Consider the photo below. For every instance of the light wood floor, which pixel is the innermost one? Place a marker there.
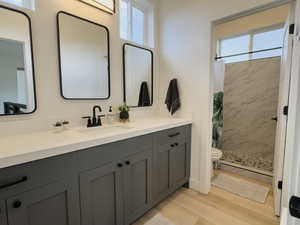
(187, 207)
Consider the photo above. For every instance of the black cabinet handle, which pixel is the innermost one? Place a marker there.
(22, 180)
(17, 204)
(175, 144)
(120, 165)
(174, 135)
(127, 162)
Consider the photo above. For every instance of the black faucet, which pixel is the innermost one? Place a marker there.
(95, 121)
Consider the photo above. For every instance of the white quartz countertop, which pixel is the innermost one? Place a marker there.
(20, 149)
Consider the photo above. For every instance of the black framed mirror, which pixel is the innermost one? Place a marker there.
(17, 79)
(137, 76)
(84, 58)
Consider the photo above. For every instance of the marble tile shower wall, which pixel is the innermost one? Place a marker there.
(250, 101)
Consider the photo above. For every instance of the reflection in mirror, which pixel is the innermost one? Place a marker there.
(138, 76)
(17, 88)
(84, 58)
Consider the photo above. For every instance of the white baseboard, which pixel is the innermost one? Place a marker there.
(198, 186)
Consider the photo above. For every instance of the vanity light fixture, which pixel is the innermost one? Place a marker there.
(104, 5)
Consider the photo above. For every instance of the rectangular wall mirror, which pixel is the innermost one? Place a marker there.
(138, 76)
(84, 58)
(17, 85)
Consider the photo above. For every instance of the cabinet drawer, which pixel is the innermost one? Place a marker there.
(96, 156)
(169, 137)
(27, 176)
(16, 179)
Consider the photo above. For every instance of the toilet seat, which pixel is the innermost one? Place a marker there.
(216, 154)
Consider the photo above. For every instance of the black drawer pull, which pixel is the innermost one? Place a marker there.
(176, 144)
(174, 135)
(172, 146)
(17, 204)
(120, 165)
(22, 180)
(127, 162)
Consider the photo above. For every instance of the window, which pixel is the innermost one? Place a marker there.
(124, 18)
(105, 5)
(234, 46)
(29, 4)
(136, 22)
(266, 38)
(138, 26)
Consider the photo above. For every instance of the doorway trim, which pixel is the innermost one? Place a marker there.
(214, 48)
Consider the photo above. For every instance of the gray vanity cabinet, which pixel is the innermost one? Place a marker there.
(49, 194)
(171, 161)
(111, 184)
(137, 185)
(115, 181)
(52, 204)
(101, 195)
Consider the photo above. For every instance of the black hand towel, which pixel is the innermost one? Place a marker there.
(173, 99)
(144, 99)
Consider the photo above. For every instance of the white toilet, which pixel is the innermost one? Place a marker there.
(216, 157)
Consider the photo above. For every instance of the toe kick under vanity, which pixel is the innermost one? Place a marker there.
(110, 178)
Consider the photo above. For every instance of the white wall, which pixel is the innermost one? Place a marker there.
(185, 49)
(51, 106)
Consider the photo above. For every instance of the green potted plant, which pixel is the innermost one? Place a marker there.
(218, 120)
(124, 112)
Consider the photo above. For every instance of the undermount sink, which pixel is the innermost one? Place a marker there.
(106, 129)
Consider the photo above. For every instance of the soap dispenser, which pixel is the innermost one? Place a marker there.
(110, 115)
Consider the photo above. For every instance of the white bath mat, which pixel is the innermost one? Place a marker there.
(159, 220)
(241, 187)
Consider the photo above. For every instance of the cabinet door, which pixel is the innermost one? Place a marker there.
(137, 185)
(3, 218)
(179, 160)
(101, 196)
(55, 203)
(161, 164)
